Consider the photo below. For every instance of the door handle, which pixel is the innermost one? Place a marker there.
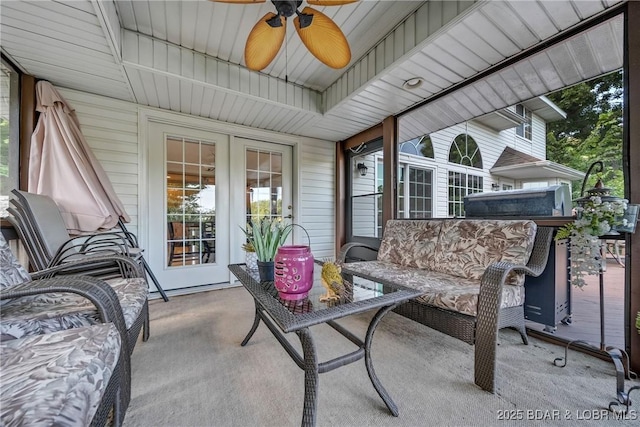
(290, 216)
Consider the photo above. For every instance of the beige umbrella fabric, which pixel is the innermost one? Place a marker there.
(63, 167)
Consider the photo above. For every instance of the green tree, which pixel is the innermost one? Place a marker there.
(592, 130)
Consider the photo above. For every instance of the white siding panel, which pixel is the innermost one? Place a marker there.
(317, 196)
(110, 128)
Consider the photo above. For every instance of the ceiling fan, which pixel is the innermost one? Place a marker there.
(318, 32)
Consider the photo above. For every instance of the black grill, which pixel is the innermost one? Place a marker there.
(547, 297)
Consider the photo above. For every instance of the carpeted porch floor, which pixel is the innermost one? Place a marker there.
(193, 372)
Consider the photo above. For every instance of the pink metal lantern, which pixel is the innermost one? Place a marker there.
(293, 275)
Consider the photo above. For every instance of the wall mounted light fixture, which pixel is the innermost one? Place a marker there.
(362, 169)
(495, 187)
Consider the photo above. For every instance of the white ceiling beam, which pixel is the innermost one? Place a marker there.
(145, 53)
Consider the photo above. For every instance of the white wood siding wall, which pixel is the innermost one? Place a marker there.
(110, 127)
(317, 197)
(491, 144)
(537, 147)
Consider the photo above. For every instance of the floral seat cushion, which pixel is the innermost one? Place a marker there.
(466, 248)
(45, 313)
(11, 271)
(410, 242)
(440, 289)
(58, 378)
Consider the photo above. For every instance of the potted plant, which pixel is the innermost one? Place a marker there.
(595, 217)
(266, 236)
(251, 259)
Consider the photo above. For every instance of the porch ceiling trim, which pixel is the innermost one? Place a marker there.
(158, 57)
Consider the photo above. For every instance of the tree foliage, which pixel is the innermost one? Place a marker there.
(592, 130)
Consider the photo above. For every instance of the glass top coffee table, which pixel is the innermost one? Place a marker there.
(284, 316)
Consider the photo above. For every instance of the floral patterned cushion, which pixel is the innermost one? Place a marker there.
(11, 272)
(467, 247)
(410, 242)
(57, 379)
(440, 289)
(45, 313)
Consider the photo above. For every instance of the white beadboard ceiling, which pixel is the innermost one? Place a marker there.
(187, 56)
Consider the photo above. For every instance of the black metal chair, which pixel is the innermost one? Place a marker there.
(42, 229)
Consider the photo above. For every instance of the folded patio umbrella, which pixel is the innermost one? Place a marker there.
(63, 167)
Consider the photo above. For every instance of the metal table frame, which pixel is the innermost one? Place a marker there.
(280, 321)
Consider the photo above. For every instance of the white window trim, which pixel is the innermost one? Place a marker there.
(434, 184)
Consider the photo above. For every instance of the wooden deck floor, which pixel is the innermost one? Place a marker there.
(585, 308)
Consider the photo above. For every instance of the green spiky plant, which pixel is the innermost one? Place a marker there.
(638, 322)
(266, 237)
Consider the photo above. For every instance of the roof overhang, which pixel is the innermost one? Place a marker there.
(543, 169)
(543, 107)
(500, 120)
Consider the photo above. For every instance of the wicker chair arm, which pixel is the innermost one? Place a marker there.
(107, 304)
(490, 301)
(342, 255)
(540, 252)
(127, 266)
(496, 274)
(97, 291)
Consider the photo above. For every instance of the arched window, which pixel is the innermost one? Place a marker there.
(464, 151)
(421, 146)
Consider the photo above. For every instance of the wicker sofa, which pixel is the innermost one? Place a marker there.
(472, 274)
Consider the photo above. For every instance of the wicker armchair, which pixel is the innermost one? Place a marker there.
(87, 370)
(37, 313)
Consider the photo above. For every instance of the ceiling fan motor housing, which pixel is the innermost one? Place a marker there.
(286, 8)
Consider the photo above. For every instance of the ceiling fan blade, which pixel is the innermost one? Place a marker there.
(264, 42)
(324, 39)
(239, 1)
(330, 2)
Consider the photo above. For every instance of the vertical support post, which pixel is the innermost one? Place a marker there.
(631, 168)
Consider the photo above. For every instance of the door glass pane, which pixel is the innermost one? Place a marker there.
(264, 185)
(191, 195)
(367, 180)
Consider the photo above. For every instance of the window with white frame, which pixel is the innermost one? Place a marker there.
(460, 185)
(421, 146)
(9, 132)
(415, 191)
(465, 152)
(524, 129)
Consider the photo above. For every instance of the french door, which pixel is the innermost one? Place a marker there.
(261, 187)
(203, 187)
(188, 206)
